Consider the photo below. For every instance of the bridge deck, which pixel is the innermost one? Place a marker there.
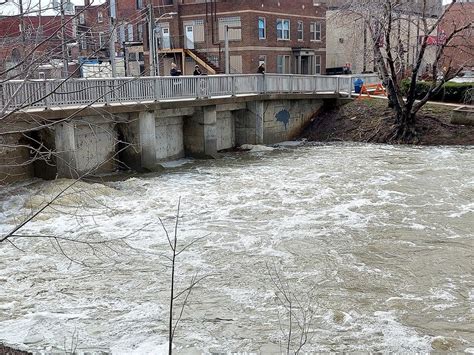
(37, 95)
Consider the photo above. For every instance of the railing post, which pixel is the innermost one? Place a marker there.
(232, 81)
(46, 93)
(338, 85)
(157, 87)
(349, 91)
(205, 80)
(107, 92)
(2, 99)
(197, 87)
(291, 84)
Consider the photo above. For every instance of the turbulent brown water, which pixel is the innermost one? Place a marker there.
(373, 243)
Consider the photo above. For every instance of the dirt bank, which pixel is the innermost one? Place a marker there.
(5, 350)
(372, 121)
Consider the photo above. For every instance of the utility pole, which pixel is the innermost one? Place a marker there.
(22, 23)
(64, 45)
(113, 16)
(226, 44)
(151, 39)
(157, 47)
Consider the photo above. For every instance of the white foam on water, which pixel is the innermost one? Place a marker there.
(152, 345)
(351, 213)
(176, 163)
(256, 148)
(290, 144)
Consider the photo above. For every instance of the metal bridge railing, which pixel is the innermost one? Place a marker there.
(26, 94)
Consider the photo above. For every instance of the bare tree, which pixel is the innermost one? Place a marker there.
(39, 42)
(175, 295)
(296, 320)
(391, 24)
(26, 58)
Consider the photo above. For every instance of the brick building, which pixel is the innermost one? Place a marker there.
(93, 28)
(33, 44)
(460, 53)
(287, 35)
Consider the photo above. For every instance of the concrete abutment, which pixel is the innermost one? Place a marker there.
(142, 138)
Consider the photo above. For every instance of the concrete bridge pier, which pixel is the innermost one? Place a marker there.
(200, 133)
(160, 136)
(147, 134)
(85, 146)
(249, 123)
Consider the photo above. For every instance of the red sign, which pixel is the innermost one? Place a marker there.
(434, 40)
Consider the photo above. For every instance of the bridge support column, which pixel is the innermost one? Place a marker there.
(249, 124)
(86, 146)
(65, 141)
(147, 131)
(200, 133)
(256, 108)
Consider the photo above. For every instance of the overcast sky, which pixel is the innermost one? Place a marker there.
(11, 7)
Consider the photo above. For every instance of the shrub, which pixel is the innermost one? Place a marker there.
(450, 92)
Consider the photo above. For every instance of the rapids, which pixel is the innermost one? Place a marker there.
(374, 244)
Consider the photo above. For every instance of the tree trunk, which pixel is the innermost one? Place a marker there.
(405, 129)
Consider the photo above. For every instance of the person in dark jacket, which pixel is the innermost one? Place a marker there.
(197, 70)
(261, 68)
(174, 70)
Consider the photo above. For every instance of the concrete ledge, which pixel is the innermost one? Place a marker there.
(27, 118)
(463, 115)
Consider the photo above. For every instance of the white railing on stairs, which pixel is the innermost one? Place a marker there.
(27, 94)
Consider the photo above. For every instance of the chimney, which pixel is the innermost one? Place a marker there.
(87, 2)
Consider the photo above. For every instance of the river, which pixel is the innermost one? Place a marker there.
(373, 246)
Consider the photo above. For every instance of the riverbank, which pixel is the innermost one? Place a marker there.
(5, 350)
(372, 121)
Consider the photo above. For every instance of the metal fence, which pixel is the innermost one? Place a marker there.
(21, 94)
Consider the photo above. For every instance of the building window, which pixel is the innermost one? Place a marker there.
(100, 17)
(234, 33)
(300, 30)
(140, 32)
(283, 64)
(82, 18)
(315, 29)
(83, 41)
(121, 33)
(139, 4)
(283, 29)
(317, 61)
(101, 39)
(130, 32)
(262, 32)
(199, 35)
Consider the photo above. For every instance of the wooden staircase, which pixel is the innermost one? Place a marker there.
(203, 61)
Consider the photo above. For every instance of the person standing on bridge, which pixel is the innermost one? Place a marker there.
(261, 68)
(174, 70)
(197, 70)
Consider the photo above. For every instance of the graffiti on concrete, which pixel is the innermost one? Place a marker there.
(284, 117)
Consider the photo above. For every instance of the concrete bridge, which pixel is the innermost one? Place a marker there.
(69, 128)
